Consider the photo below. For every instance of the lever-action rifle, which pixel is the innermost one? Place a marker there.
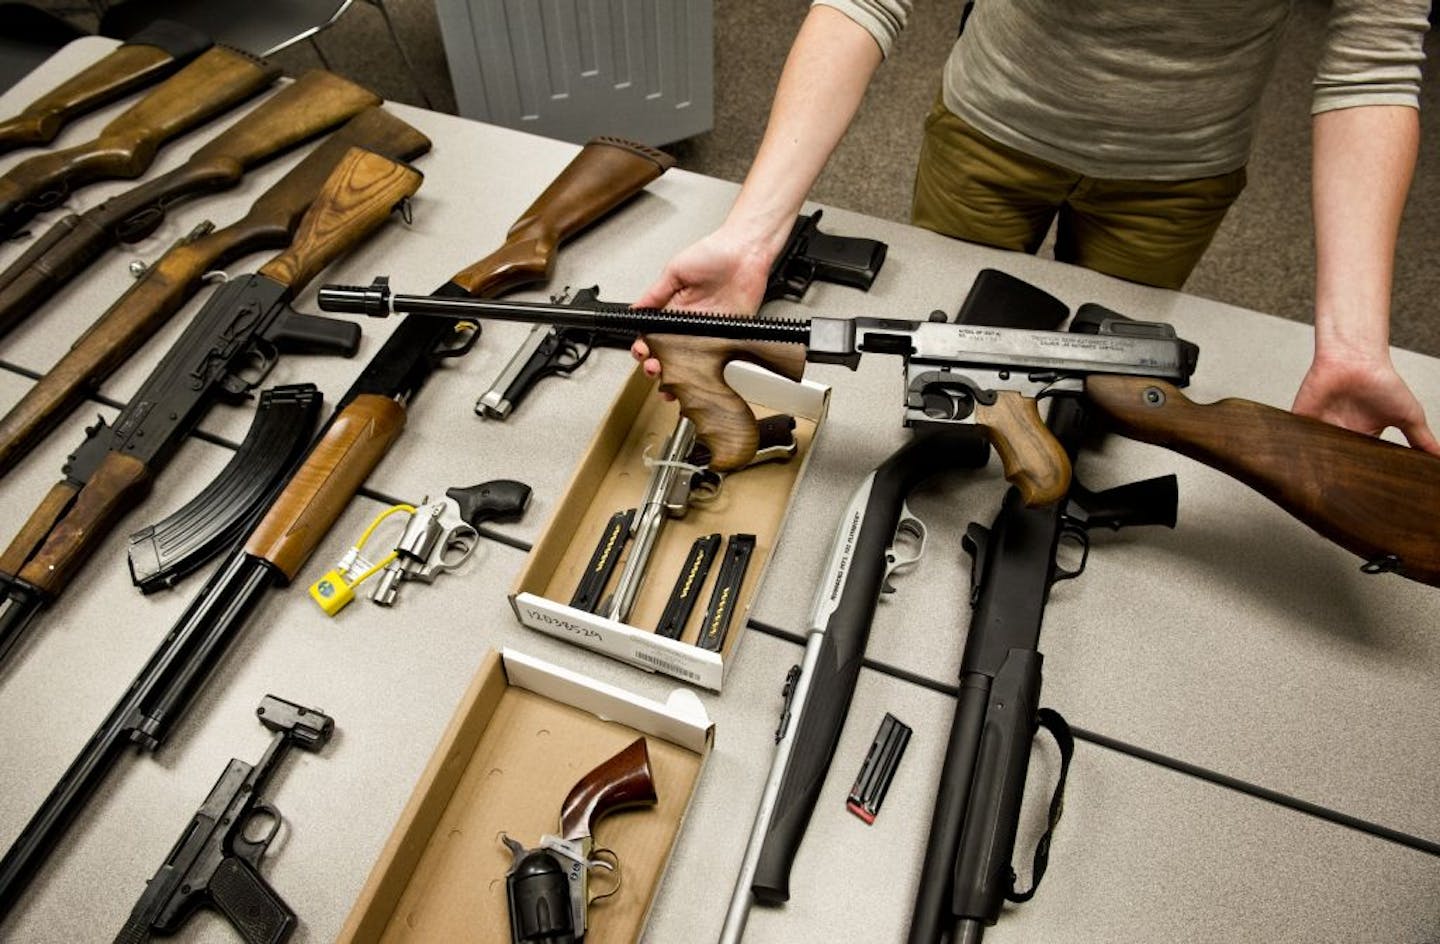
(150, 55)
(172, 280)
(314, 103)
(240, 332)
(809, 254)
(367, 420)
(1374, 498)
(217, 81)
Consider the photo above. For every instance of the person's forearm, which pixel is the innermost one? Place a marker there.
(821, 87)
(1364, 159)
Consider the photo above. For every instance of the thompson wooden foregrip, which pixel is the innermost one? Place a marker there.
(215, 82)
(622, 781)
(125, 69)
(357, 197)
(606, 173)
(117, 485)
(693, 369)
(332, 473)
(1373, 498)
(1034, 462)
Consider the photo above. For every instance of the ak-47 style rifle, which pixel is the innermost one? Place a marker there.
(368, 419)
(311, 105)
(172, 280)
(1374, 498)
(150, 55)
(215, 82)
(240, 331)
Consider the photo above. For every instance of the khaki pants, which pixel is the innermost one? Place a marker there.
(1150, 231)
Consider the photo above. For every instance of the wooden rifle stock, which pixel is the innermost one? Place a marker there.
(314, 103)
(356, 198)
(215, 82)
(361, 193)
(148, 57)
(606, 173)
(1373, 498)
(622, 781)
(178, 275)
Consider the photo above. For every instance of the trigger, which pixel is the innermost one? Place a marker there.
(907, 548)
(610, 863)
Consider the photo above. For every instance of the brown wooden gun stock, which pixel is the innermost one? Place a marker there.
(178, 275)
(622, 781)
(1373, 498)
(309, 106)
(218, 80)
(606, 172)
(358, 196)
(136, 64)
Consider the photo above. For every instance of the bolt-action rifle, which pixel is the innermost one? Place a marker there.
(149, 56)
(367, 420)
(309, 106)
(215, 82)
(1374, 498)
(165, 286)
(224, 352)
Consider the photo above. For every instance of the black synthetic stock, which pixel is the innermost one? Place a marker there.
(821, 718)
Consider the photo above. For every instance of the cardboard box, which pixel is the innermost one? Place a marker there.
(612, 477)
(525, 732)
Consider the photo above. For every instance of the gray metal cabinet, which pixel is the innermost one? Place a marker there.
(572, 69)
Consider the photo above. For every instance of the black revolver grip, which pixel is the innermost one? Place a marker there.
(257, 912)
(497, 500)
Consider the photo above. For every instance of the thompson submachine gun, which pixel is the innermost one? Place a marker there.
(215, 864)
(149, 56)
(165, 286)
(246, 323)
(1374, 498)
(809, 255)
(368, 419)
(547, 887)
(213, 83)
(309, 106)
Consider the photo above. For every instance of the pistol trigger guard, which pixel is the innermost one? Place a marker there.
(912, 529)
(252, 850)
(611, 865)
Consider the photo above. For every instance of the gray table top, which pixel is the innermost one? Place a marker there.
(1239, 643)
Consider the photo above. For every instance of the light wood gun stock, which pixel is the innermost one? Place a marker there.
(214, 83)
(313, 104)
(148, 57)
(1373, 498)
(179, 274)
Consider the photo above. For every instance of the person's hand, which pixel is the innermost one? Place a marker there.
(1366, 395)
(724, 273)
